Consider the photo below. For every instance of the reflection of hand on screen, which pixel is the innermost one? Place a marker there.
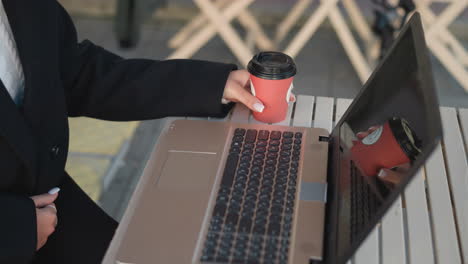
(393, 175)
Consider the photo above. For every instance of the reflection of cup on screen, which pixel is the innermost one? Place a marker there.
(392, 144)
(271, 77)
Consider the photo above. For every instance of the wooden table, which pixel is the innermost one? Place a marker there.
(428, 224)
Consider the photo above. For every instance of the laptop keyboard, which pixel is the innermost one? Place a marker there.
(252, 217)
(364, 203)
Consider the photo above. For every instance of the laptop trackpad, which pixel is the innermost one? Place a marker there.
(187, 171)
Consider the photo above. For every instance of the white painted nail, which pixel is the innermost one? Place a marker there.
(258, 107)
(382, 173)
(54, 190)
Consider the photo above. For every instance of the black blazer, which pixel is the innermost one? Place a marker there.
(64, 78)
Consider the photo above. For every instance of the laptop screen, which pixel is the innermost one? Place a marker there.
(389, 131)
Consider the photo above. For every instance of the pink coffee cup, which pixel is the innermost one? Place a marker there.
(271, 81)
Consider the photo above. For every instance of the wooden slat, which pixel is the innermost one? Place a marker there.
(440, 206)
(455, 158)
(342, 105)
(304, 111)
(323, 113)
(368, 252)
(419, 241)
(240, 114)
(393, 237)
(463, 115)
(286, 121)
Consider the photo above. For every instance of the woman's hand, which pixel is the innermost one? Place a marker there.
(237, 89)
(46, 215)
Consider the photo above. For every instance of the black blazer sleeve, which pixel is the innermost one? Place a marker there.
(101, 84)
(18, 229)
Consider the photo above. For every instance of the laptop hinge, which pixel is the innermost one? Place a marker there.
(313, 191)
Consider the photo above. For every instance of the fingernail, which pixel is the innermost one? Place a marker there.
(258, 107)
(382, 173)
(360, 134)
(54, 190)
(293, 98)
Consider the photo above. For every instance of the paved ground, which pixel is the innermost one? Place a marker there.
(110, 154)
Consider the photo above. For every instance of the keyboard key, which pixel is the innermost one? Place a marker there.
(245, 225)
(244, 164)
(238, 139)
(274, 143)
(294, 164)
(232, 218)
(273, 148)
(262, 143)
(298, 135)
(275, 135)
(287, 140)
(286, 147)
(236, 144)
(297, 141)
(249, 146)
(259, 156)
(270, 168)
(246, 157)
(288, 134)
(258, 162)
(272, 155)
(229, 170)
(251, 136)
(256, 168)
(274, 229)
(235, 150)
(263, 135)
(239, 132)
(260, 149)
(271, 161)
(247, 152)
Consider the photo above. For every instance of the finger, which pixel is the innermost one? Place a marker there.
(249, 100)
(372, 129)
(362, 135)
(292, 98)
(45, 199)
(404, 167)
(390, 176)
(52, 206)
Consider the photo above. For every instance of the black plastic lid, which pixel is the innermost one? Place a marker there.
(272, 65)
(406, 137)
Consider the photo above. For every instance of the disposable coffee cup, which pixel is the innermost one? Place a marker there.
(271, 81)
(392, 144)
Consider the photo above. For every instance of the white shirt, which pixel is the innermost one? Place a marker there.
(11, 71)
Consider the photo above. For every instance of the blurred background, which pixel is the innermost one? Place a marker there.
(106, 158)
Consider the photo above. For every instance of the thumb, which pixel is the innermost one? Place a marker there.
(390, 176)
(45, 199)
(250, 101)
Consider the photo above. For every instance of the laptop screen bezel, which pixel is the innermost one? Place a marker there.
(435, 131)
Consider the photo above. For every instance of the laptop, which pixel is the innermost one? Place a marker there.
(219, 192)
